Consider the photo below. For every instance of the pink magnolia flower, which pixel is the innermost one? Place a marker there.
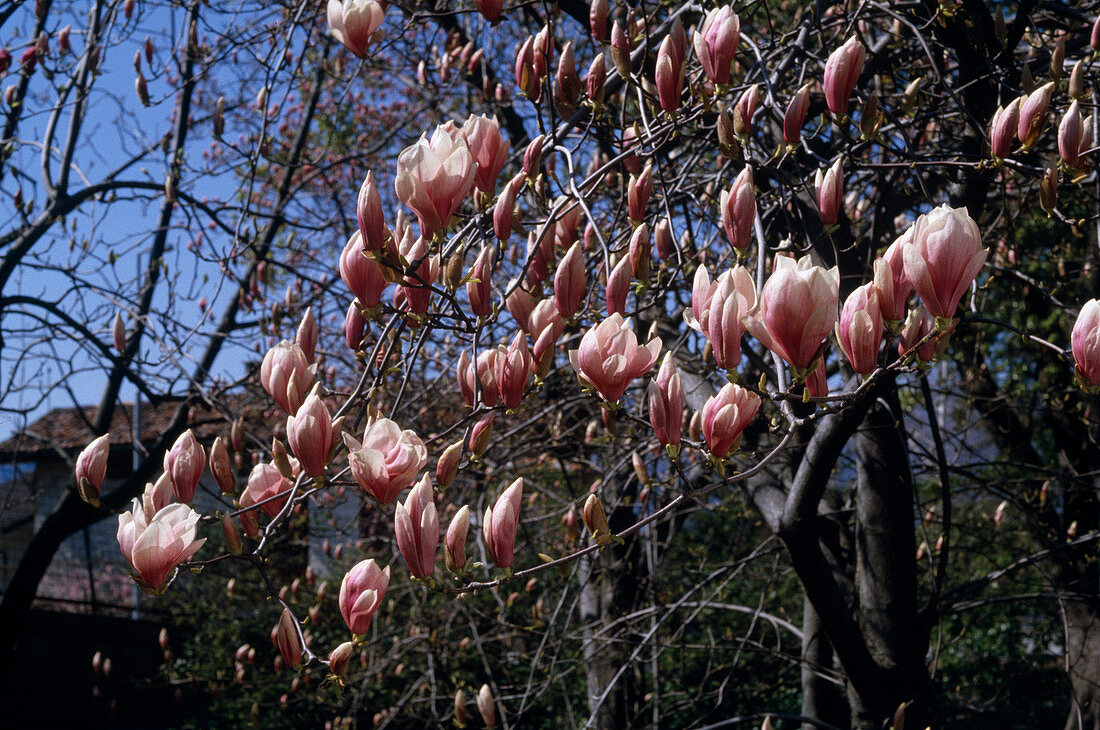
(1002, 129)
(1070, 132)
(434, 176)
(795, 115)
(221, 467)
(355, 23)
(610, 357)
(746, 108)
(830, 193)
(943, 258)
(361, 594)
(355, 327)
(796, 311)
(307, 334)
(416, 526)
(480, 292)
(118, 332)
(668, 76)
(545, 326)
(184, 464)
(313, 434)
(512, 369)
(1085, 341)
(893, 288)
(918, 325)
(717, 310)
(1033, 114)
(454, 544)
(387, 460)
(286, 376)
(488, 148)
(842, 71)
(505, 206)
(285, 636)
(486, 377)
(490, 9)
(368, 211)
(716, 43)
(738, 206)
(618, 287)
(155, 544)
(725, 417)
(665, 397)
(361, 273)
(91, 468)
(500, 523)
(569, 281)
(638, 194)
(416, 288)
(264, 483)
(859, 330)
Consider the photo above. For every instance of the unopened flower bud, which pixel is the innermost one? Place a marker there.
(595, 519)
(339, 658)
(232, 536)
(480, 435)
(620, 50)
(1048, 190)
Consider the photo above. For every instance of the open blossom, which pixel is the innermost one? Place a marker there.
(716, 43)
(842, 71)
(416, 526)
(488, 148)
(859, 330)
(286, 376)
(312, 434)
(717, 309)
(485, 377)
(610, 357)
(361, 593)
(184, 464)
(264, 483)
(943, 258)
(1085, 341)
(355, 23)
(91, 468)
(665, 397)
(387, 460)
(154, 544)
(893, 288)
(725, 417)
(434, 176)
(797, 310)
(500, 523)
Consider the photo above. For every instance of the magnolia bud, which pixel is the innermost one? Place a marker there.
(221, 467)
(532, 156)
(1048, 190)
(339, 658)
(281, 459)
(286, 638)
(454, 542)
(232, 537)
(795, 116)
(219, 117)
(595, 519)
(597, 20)
(594, 81)
(480, 435)
(118, 332)
(620, 50)
(1058, 59)
(447, 465)
(727, 134)
(142, 89)
(487, 706)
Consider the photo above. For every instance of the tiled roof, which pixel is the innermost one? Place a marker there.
(69, 429)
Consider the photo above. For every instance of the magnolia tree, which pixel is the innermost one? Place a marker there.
(828, 271)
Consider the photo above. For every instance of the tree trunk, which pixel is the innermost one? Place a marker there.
(1082, 626)
(886, 574)
(821, 698)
